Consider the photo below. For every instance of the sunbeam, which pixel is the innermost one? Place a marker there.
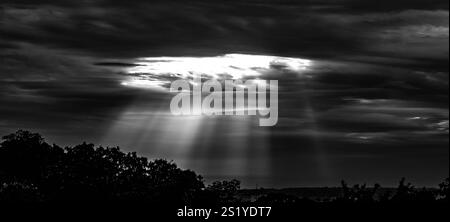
(243, 150)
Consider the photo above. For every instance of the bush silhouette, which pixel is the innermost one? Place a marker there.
(444, 190)
(358, 193)
(19, 192)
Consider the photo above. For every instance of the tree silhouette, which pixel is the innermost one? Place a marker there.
(85, 172)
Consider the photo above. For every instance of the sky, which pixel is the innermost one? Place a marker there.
(363, 86)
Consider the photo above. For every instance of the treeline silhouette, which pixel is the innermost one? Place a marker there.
(32, 170)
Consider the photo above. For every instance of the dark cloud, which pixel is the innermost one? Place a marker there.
(116, 29)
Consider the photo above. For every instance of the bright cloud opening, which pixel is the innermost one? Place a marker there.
(158, 72)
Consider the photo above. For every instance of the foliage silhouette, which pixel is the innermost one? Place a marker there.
(358, 193)
(84, 172)
(31, 170)
(444, 190)
(224, 191)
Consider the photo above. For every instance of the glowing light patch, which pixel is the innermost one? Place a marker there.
(146, 83)
(157, 72)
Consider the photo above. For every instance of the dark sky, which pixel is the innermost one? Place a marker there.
(372, 106)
